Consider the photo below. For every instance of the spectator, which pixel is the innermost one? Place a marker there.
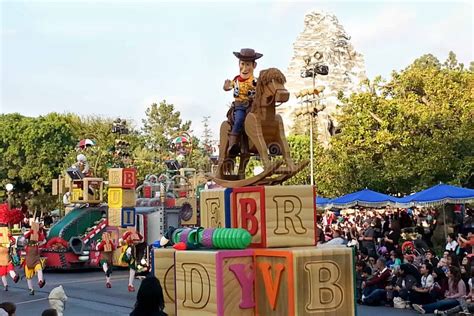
(150, 300)
(374, 289)
(393, 237)
(360, 265)
(457, 289)
(49, 312)
(9, 308)
(440, 286)
(451, 243)
(421, 294)
(430, 256)
(337, 239)
(367, 238)
(57, 299)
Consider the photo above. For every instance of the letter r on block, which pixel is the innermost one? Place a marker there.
(288, 208)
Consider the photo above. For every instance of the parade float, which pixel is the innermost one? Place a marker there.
(169, 199)
(282, 272)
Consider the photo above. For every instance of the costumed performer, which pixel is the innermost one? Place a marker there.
(244, 86)
(6, 264)
(106, 247)
(36, 238)
(131, 238)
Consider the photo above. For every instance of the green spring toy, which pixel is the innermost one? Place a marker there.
(211, 238)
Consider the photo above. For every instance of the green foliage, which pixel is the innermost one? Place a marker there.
(299, 147)
(404, 135)
(161, 125)
(32, 151)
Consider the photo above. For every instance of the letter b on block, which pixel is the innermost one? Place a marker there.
(125, 178)
(304, 281)
(325, 293)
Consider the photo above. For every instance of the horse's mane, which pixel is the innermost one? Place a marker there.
(266, 76)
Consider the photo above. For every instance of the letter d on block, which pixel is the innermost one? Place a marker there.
(197, 286)
(325, 293)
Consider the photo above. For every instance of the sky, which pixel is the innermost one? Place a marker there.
(114, 58)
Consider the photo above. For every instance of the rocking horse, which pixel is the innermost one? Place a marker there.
(263, 136)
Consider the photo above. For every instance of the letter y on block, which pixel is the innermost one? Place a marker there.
(246, 285)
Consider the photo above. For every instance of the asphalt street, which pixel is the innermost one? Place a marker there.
(87, 295)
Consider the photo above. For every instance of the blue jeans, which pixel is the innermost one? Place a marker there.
(441, 305)
(376, 297)
(239, 118)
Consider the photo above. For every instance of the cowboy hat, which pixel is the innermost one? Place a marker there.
(247, 54)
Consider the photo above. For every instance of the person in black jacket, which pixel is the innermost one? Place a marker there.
(150, 299)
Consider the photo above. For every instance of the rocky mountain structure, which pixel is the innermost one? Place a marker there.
(323, 34)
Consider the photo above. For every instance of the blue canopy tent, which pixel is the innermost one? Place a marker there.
(366, 198)
(322, 202)
(439, 194)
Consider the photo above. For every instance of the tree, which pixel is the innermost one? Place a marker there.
(32, 151)
(405, 135)
(161, 125)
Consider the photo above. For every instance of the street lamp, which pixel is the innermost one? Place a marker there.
(308, 107)
(310, 97)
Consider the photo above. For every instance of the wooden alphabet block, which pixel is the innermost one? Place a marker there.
(304, 281)
(215, 208)
(163, 268)
(125, 178)
(35, 226)
(214, 282)
(115, 216)
(108, 240)
(128, 216)
(119, 198)
(76, 196)
(276, 216)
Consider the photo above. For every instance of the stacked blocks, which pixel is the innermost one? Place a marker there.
(276, 216)
(215, 208)
(208, 283)
(121, 196)
(266, 279)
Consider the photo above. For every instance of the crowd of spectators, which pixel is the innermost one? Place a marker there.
(397, 263)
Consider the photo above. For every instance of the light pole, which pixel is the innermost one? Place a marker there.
(313, 66)
(308, 107)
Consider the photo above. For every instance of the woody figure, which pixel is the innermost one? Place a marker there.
(244, 91)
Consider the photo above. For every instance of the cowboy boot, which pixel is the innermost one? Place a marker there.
(233, 149)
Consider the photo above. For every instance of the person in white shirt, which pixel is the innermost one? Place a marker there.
(451, 244)
(421, 294)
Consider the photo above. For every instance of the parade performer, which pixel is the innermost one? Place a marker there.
(244, 86)
(83, 165)
(131, 238)
(106, 247)
(33, 265)
(6, 265)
